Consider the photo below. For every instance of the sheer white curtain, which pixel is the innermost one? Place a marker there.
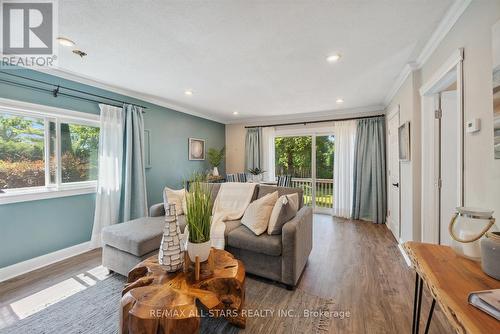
(107, 208)
(268, 135)
(343, 173)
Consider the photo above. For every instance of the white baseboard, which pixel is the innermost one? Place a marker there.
(42, 261)
(405, 256)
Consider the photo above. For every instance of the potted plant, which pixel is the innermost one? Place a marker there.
(215, 157)
(257, 173)
(198, 219)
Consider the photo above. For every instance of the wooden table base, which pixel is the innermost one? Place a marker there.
(155, 301)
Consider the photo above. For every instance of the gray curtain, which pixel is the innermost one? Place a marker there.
(370, 193)
(253, 148)
(133, 193)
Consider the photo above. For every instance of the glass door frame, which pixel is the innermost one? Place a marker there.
(313, 133)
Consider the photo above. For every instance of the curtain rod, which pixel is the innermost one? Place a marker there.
(56, 91)
(313, 122)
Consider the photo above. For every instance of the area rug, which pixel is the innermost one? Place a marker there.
(270, 309)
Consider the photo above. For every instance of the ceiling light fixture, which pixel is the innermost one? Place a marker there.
(333, 58)
(339, 100)
(66, 42)
(235, 113)
(188, 92)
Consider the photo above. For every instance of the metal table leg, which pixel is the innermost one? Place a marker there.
(429, 318)
(415, 302)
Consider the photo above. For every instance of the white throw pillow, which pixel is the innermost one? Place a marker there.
(177, 197)
(286, 208)
(257, 214)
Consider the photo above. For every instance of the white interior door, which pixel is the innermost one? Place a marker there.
(450, 162)
(393, 173)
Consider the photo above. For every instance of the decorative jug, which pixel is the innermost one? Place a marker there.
(467, 226)
(171, 253)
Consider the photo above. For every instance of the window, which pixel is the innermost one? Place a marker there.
(47, 152)
(22, 147)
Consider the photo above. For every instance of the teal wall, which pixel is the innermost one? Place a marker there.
(31, 229)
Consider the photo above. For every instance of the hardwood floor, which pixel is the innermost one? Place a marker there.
(356, 264)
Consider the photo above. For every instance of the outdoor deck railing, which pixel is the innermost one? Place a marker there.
(324, 191)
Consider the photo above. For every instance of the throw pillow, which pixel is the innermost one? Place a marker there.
(256, 216)
(286, 208)
(177, 197)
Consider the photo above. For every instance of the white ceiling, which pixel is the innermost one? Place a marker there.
(260, 58)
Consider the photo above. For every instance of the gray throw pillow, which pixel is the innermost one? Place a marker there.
(284, 210)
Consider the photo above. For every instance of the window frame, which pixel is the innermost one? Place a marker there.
(57, 115)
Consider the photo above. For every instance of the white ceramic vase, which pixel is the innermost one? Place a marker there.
(215, 172)
(202, 250)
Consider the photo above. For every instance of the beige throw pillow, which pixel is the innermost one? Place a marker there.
(177, 197)
(286, 208)
(256, 216)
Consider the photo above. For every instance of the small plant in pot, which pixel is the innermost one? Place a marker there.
(215, 158)
(256, 173)
(198, 219)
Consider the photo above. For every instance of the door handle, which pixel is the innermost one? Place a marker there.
(396, 185)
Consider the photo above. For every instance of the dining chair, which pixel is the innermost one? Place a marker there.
(284, 180)
(242, 177)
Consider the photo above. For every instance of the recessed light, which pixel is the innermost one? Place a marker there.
(333, 58)
(235, 113)
(339, 100)
(65, 42)
(188, 92)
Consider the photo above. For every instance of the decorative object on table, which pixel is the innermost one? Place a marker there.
(467, 226)
(221, 290)
(198, 219)
(487, 301)
(171, 255)
(257, 174)
(495, 35)
(490, 254)
(196, 149)
(215, 158)
(404, 142)
(231, 177)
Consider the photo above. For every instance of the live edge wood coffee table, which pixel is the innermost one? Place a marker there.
(154, 301)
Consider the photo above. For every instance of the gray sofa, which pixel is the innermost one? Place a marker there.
(280, 258)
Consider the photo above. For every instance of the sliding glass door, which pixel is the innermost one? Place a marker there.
(323, 181)
(309, 160)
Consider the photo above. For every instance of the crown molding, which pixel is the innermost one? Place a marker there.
(312, 116)
(407, 69)
(69, 75)
(451, 17)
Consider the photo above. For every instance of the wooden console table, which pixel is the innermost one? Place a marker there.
(450, 278)
(157, 302)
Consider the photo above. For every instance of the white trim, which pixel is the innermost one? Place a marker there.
(407, 69)
(42, 261)
(452, 15)
(405, 256)
(431, 86)
(32, 109)
(69, 75)
(450, 71)
(41, 193)
(444, 27)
